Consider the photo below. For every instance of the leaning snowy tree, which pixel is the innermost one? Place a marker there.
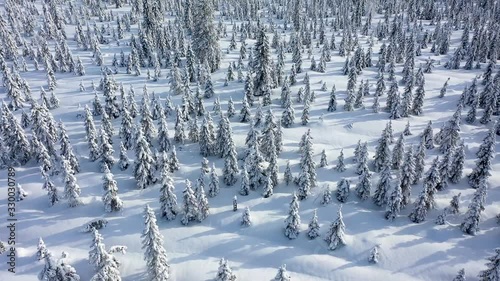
(152, 242)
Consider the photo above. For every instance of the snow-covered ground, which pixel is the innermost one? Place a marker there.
(408, 251)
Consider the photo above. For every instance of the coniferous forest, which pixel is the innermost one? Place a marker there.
(249, 140)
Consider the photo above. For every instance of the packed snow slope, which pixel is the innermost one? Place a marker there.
(408, 251)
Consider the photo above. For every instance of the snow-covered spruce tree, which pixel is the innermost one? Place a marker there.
(224, 273)
(71, 187)
(457, 164)
(288, 116)
(407, 130)
(230, 170)
(194, 130)
(249, 89)
(485, 156)
(18, 143)
(107, 160)
(148, 127)
(323, 162)
(470, 224)
(245, 115)
(54, 100)
(268, 187)
(41, 249)
(52, 191)
(492, 273)
(124, 161)
(190, 205)
(460, 275)
(335, 236)
(168, 199)
(343, 190)
(231, 111)
(20, 193)
(327, 195)
(304, 185)
(154, 252)
(432, 181)
(245, 182)
(163, 134)
(374, 255)
(452, 209)
(67, 149)
(245, 218)
(428, 136)
(273, 168)
(262, 68)
(398, 153)
(364, 185)
(41, 155)
(313, 227)
(349, 101)
(449, 135)
(109, 88)
(98, 256)
(282, 274)
(419, 212)
(340, 167)
(143, 169)
(204, 34)
(57, 270)
(383, 152)
(394, 202)
(407, 176)
(285, 92)
(203, 207)
(292, 222)
(383, 186)
(179, 133)
(442, 92)
(307, 164)
(207, 137)
(332, 104)
(217, 107)
(174, 161)
(254, 167)
(107, 126)
(419, 162)
(306, 112)
(287, 174)
(112, 203)
(125, 131)
(213, 186)
(472, 113)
